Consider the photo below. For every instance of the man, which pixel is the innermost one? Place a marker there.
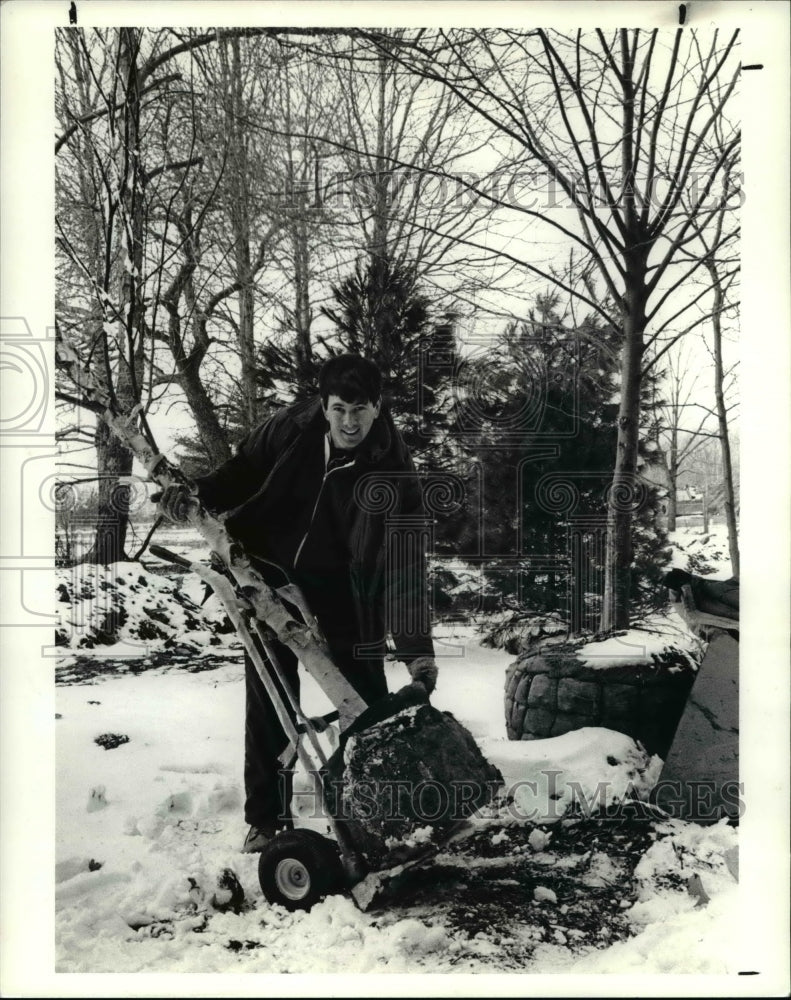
(296, 491)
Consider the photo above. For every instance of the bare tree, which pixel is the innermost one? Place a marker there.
(621, 125)
(120, 234)
(720, 292)
(401, 139)
(686, 422)
(302, 110)
(140, 181)
(719, 256)
(101, 236)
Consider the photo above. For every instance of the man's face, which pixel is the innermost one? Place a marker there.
(349, 422)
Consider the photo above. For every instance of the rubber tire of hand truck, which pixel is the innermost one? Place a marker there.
(298, 868)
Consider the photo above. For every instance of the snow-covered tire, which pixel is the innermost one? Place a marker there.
(551, 691)
(298, 868)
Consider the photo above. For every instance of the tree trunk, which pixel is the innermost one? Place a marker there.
(240, 226)
(672, 475)
(669, 464)
(624, 491)
(297, 188)
(722, 420)
(210, 431)
(130, 169)
(247, 338)
(302, 312)
(378, 249)
(113, 460)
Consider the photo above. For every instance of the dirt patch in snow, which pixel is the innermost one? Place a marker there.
(494, 890)
(84, 669)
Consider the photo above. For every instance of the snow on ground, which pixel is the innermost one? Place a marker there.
(705, 554)
(137, 609)
(145, 828)
(587, 766)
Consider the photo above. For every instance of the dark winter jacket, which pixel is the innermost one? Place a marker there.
(280, 509)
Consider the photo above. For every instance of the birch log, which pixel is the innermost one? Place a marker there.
(308, 645)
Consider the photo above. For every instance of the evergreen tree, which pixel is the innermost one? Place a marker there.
(546, 402)
(381, 313)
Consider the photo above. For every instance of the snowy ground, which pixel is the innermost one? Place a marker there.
(705, 554)
(145, 827)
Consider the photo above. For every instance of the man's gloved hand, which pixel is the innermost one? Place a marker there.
(176, 503)
(424, 670)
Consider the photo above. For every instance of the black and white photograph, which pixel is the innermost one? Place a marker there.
(395, 397)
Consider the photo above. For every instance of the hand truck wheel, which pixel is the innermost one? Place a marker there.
(297, 868)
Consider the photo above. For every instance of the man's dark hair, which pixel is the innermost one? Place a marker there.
(351, 377)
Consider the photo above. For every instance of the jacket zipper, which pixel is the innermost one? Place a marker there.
(316, 506)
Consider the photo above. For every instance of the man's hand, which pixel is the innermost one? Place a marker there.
(424, 670)
(176, 503)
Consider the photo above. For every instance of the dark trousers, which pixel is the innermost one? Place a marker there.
(267, 783)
